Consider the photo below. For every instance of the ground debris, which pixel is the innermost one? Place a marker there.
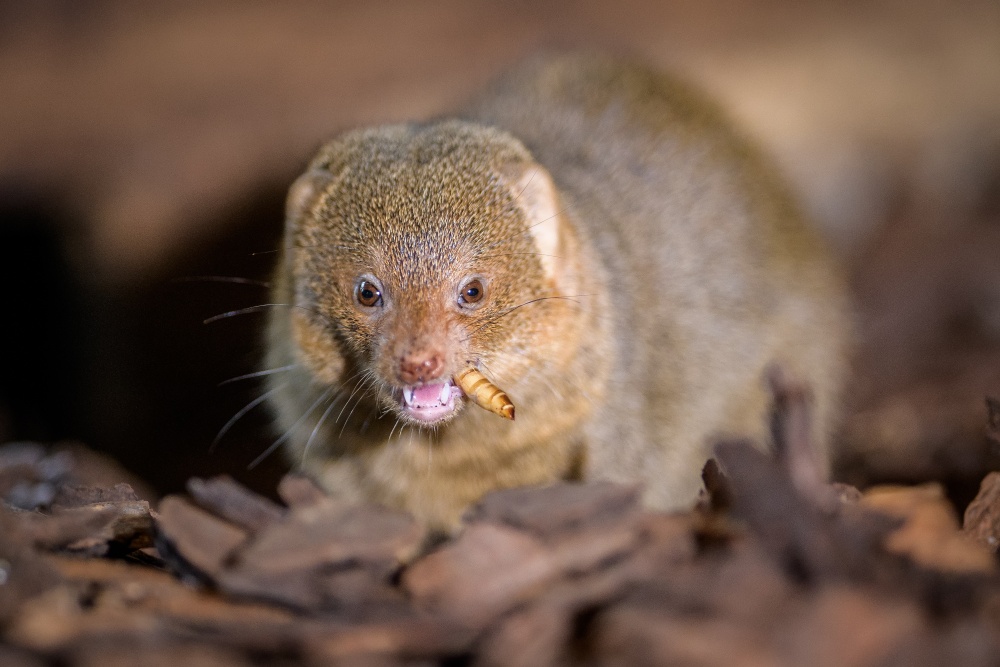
(982, 516)
(230, 500)
(558, 508)
(298, 491)
(773, 567)
(930, 534)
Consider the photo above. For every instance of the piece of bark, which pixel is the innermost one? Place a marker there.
(982, 516)
(558, 507)
(45, 531)
(70, 495)
(486, 571)
(299, 491)
(632, 636)
(331, 534)
(537, 635)
(736, 582)
(230, 500)
(58, 617)
(362, 594)
(303, 560)
(23, 574)
(595, 547)
(717, 495)
(791, 422)
(845, 626)
(348, 592)
(795, 532)
(130, 528)
(666, 540)
(201, 540)
(552, 629)
(90, 529)
(104, 599)
(930, 533)
(492, 567)
(294, 588)
(403, 639)
(714, 525)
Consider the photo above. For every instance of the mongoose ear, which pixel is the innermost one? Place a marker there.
(303, 193)
(537, 196)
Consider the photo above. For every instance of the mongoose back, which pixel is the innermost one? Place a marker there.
(589, 235)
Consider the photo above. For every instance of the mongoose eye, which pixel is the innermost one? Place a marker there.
(368, 294)
(472, 293)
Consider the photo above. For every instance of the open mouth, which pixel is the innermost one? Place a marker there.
(430, 403)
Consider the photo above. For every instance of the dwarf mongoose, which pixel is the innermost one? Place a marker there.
(591, 236)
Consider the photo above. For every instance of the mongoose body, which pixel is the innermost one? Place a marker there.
(591, 236)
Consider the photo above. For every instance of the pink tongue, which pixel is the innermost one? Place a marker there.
(428, 393)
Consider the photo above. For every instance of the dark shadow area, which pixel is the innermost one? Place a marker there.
(44, 329)
(155, 403)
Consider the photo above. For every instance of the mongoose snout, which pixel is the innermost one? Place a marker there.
(421, 367)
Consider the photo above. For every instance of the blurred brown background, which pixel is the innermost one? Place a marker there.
(145, 145)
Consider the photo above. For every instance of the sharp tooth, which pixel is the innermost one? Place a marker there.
(445, 392)
(408, 395)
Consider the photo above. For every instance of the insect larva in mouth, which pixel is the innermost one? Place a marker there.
(484, 393)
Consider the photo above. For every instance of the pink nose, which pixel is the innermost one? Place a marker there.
(422, 367)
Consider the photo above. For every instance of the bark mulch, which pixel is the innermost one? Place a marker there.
(773, 567)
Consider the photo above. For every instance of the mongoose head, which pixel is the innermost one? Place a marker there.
(413, 252)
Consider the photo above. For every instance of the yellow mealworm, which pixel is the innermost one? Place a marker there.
(484, 393)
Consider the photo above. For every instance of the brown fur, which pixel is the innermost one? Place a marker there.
(680, 266)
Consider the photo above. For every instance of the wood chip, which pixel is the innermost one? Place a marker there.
(201, 540)
(299, 491)
(77, 496)
(332, 534)
(929, 534)
(93, 529)
(557, 508)
(22, 574)
(486, 571)
(982, 516)
(328, 557)
(230, 500)
(409, 639)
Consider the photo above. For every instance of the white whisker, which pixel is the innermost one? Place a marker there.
(312, 436)
(367, 379)
(223, 279)
(257, 374)
(239, 415)
(277, 443)
(366, 394)
(389, 439)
